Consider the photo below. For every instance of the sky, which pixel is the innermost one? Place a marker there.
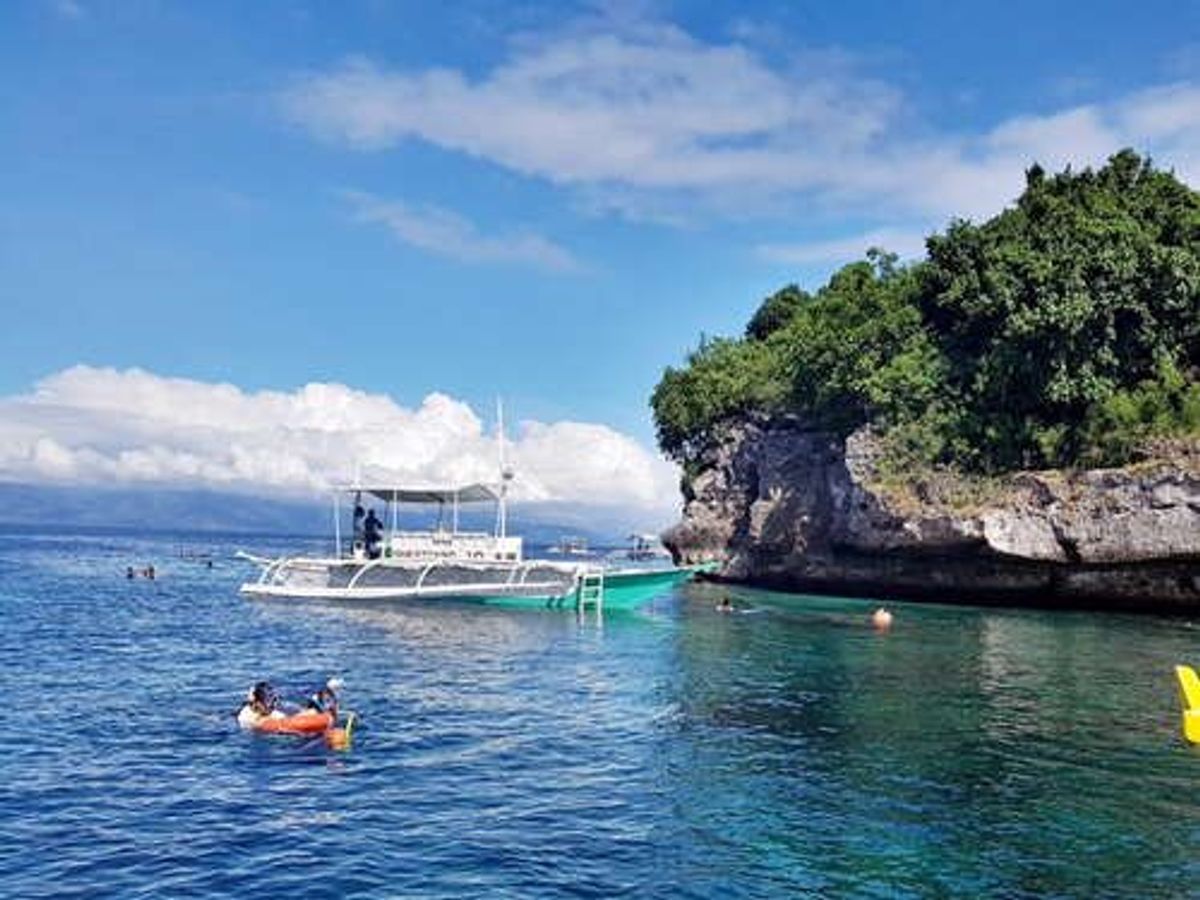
(265, 245)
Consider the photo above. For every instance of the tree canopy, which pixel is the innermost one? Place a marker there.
(1063, 331)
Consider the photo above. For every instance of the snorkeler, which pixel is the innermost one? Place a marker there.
(325, 699)
(263, 698)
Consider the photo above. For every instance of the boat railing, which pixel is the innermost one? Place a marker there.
(425, 573)
(516, 578)
(271, 572)
(367, 567)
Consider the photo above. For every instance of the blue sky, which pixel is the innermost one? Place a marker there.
(548, 201)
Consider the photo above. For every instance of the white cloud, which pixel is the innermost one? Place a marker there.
(906, 244)
(666, 122)
(1170, 111)
(446, 233)
(95, 425)
(650, 106)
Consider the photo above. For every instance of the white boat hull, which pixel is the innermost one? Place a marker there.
(528, 583)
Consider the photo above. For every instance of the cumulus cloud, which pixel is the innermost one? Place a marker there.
(907, 244)
(445, 233)
(658, 118)
(90, 425)
(649, 106)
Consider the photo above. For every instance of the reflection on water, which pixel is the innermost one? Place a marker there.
(979, 750)
(789, 749)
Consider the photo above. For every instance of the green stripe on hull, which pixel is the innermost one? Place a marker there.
(622, 590)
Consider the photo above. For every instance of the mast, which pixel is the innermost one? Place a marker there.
(337, 527)
(506, 474)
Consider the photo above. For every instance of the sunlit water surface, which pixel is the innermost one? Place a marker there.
(786, 750)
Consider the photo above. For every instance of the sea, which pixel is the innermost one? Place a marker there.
(785, 750)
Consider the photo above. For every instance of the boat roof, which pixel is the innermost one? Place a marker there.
(467, 493)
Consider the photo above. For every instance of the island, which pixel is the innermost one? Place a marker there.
(1014, 418)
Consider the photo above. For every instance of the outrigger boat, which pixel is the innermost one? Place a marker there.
(386, 562)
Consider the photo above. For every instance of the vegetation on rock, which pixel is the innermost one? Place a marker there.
(1063, 332)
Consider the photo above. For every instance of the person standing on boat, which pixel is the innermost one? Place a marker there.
(373, 533)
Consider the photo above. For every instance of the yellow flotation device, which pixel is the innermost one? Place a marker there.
(1189, 693)
(339, 738)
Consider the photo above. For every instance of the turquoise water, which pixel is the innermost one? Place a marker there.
(787, 750)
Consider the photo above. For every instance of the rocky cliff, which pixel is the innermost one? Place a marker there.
(783, 506)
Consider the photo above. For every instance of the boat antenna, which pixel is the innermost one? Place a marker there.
(506, 474)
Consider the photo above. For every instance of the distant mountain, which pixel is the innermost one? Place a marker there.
(157, 509)
(174, 509)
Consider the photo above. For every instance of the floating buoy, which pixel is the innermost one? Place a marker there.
(881, 619)
(339, 738)
(1189, 694)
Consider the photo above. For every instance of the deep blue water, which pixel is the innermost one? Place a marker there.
(677, 752)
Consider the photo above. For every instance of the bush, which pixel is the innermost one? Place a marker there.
(1118, 428)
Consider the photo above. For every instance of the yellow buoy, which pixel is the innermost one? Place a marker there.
(1189, 693)
(339, 738)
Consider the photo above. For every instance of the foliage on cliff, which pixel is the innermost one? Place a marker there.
(1065, 331)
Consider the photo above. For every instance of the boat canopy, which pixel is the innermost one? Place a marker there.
(467, 493)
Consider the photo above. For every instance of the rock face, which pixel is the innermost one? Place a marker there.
(782, 506)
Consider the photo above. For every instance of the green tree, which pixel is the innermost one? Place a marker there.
(1064, 331)
(1052, 306)
(858, 351)
(722, 378)
(775, 312)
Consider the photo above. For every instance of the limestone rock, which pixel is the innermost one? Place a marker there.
(781, 504)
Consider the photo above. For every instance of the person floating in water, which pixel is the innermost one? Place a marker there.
(726, 605)
(149, 571)
(326, 699)
(373, 534)
(263, 698)
(129, 573)
(262, 702)
(263, 711)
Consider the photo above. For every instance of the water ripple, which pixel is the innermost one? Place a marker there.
(676, 753)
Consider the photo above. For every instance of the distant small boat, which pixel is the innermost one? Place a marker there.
(646, 546)
(571, 546)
